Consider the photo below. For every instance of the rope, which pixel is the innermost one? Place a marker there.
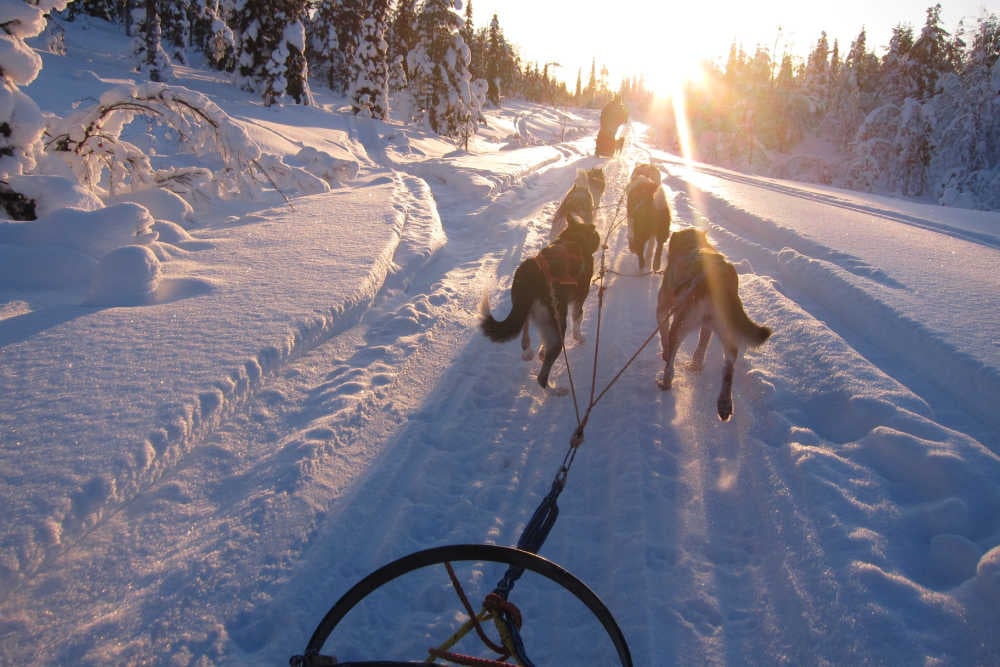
(538, 527)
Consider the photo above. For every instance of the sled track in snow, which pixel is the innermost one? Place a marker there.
(871, 325)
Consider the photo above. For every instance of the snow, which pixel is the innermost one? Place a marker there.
(217, 415)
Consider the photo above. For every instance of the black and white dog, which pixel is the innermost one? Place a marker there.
(543, 290)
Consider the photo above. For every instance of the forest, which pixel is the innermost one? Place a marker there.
(921, 120)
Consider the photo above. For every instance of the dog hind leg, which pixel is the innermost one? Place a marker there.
(526, 352)
(552, 331)
(674, 338)
(724, 404)
(577, 321)
(698, 358)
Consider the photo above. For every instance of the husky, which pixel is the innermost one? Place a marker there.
(542, 291)
(700, 289)
(648, 214)
(581, 200)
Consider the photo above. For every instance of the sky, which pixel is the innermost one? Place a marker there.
(219, 412)
(666, 40)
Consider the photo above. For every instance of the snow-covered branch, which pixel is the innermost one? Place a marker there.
(91, 142)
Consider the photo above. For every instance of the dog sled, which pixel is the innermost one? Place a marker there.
(496, 607)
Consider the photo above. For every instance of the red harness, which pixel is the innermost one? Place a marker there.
(561, 264)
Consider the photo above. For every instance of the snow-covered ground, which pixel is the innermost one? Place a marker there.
(195, 468)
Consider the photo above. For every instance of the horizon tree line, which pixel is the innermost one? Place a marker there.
(921, 120)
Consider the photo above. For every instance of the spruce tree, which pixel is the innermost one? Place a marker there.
(322, 46)
(20, 118)
(898, 78)
(211, 34)
(932, 54)
(271, 59)
(147, 49)
(439, 72)
(403, 34)
(369, 91)
(495, 51)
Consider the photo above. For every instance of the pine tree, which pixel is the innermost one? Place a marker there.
(964, 165)
(370, 68)
(932, 54)
(333, 36)
(271, 56)
(439, 72)
(912, 150)
(816, 78)
(176, 26)
(898, 78)
(147, 49)
(495, 52)
(403, 34)
(20, 118)
(211, 34)
(322, 47)
(109, 10)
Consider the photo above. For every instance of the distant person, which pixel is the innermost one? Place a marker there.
(613, 115)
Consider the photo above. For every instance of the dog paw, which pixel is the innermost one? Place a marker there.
(725, 408)
(557, 391)
(527, 355)
(664, 382)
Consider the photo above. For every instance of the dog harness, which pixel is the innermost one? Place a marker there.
(561, 264)
(692, 266)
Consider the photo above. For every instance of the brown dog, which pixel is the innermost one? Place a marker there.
(582, 200)
(648, 214)
(700, 288)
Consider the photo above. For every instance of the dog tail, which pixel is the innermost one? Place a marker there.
(737, 321)
(501, 331)
(751, 333)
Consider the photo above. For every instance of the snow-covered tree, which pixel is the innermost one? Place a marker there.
(369, 89)
(911, 151)
(211, 33)
(897, 76)
(20, 118)
(966, 113)
(402, 36)
(147, 47)
(90, 142)
(439, 72)
(816, 77)
(932, 54)
(333, 35)
(175, 20)
(322, 47)
(271, 56)
(495, 52)
(109, 10)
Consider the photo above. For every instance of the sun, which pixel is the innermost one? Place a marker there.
(673, 72)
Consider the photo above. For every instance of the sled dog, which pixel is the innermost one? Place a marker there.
(700, 289)
(543, 290)
(581, 200)
(648, 214)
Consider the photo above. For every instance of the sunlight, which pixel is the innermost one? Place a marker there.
(671, 75)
